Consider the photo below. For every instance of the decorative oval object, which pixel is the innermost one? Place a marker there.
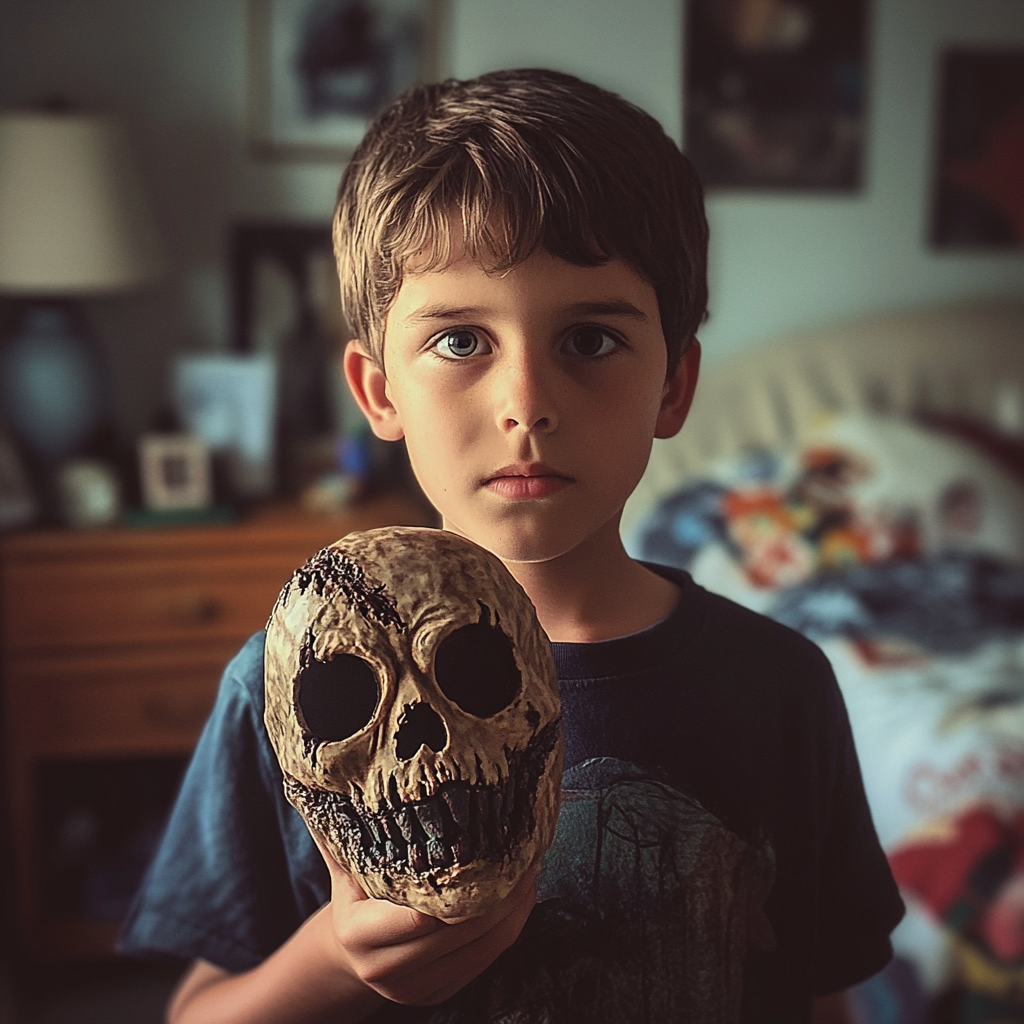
(51, 386)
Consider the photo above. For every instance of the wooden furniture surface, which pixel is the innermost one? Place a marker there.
(113, 642)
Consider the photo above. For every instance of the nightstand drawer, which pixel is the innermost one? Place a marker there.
(93, 605)
(113, 709)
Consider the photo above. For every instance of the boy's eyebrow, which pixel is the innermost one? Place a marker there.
(440, 311)
(610, 307)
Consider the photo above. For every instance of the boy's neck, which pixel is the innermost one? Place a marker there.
(596, 591)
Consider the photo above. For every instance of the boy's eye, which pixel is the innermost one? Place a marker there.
(460, 343)
(591, 341)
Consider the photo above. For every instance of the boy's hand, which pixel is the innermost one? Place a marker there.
(414, 959)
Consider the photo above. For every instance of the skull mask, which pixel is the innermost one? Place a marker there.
(413, 705)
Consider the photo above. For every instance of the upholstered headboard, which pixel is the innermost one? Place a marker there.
(957, 360)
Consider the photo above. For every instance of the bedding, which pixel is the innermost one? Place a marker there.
(900, 551)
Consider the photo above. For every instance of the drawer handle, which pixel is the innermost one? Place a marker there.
(169, 713)
(196, 609)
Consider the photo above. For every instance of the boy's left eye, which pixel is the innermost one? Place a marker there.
(591, 342)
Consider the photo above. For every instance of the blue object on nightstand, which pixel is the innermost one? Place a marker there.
(52, 386)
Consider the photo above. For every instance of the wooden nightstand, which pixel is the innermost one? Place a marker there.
(113, 642)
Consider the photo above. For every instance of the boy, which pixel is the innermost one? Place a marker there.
(524, 257)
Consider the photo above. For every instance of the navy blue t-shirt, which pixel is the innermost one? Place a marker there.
(715, 858)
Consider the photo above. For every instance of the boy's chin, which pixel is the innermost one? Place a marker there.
(521, 546)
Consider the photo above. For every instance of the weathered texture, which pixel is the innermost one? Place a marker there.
(435, 776)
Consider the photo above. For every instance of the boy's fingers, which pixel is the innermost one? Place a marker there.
(336, 870)
(380, 924)
(346, 888)
(439, 940)
(385, 923)
(390, 935)
(463, 963)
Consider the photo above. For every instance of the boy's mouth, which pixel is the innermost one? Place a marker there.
(524, 480)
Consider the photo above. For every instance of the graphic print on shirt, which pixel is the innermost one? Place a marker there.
(647, 906)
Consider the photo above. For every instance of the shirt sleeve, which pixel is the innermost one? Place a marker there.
(236, 872)
(859, 903)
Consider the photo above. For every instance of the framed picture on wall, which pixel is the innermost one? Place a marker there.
(978, 195)
(774, 93)
(319, 70)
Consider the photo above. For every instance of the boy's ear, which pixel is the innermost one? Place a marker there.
(370, 389)
(679, 389)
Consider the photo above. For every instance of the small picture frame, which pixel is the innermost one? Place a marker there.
(175, 472)
(320, 70)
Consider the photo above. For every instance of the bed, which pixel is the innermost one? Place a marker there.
(864, 484)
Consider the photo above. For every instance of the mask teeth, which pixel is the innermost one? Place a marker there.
(459, 824)
(440, 854)
(404, 817)
(457, 800)
(478, 818)
(394, 798)
(378, 832)
(497, 823)
(418, 858)
(508, 800)
(429, 814)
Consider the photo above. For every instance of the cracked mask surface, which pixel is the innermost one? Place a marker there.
(412, 701)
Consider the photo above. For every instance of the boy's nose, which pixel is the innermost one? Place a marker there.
(540, 424)
(526, 401)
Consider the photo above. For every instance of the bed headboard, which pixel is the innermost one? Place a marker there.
(955, 360)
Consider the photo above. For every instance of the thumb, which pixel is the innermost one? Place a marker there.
(343, 886)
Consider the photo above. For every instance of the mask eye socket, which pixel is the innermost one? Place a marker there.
(476, 669)
(338, 697)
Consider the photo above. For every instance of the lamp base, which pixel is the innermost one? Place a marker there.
(54, 388)
(52, 381)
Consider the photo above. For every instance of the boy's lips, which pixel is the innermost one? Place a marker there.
(523, 480)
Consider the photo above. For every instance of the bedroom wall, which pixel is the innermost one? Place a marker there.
(175, 73)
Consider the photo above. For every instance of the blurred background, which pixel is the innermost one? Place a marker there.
(210, 454)
(175, 76)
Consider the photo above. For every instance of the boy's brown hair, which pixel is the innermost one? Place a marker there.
(527, 159)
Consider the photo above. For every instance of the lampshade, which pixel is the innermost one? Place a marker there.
(72, 216)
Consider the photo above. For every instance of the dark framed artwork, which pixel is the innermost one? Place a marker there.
(297, 252)
(775, 93)
(286, 304)
(319, 70)
(978, 194)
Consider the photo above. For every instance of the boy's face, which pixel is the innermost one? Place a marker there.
(528, 399)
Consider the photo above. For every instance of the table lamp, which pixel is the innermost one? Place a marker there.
(73, 224)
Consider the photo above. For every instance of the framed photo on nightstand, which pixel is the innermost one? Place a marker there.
(175, 471)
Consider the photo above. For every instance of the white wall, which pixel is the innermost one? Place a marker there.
(782, 263)
(175, 72)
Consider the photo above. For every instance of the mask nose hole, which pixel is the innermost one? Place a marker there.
(419, 725)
